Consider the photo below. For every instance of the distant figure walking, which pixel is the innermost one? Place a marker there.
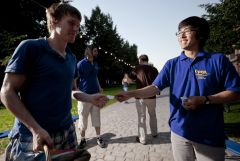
(125, 83)
(89, 83)
(144, 74)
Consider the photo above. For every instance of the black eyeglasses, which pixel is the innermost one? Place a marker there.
(186, 32)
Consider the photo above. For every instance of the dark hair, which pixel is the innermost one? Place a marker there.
(89, 48)
(143, 58)
(58, 10)
(200, 24)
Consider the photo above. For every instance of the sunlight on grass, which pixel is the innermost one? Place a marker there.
(232, 122)
(7, 119)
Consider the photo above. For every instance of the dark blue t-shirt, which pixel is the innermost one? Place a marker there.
(87, 72)
(205, 75)
(47, 90)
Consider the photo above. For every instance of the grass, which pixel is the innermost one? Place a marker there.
(107, 91)
(231, 118)
(232, 122)
(7, 119)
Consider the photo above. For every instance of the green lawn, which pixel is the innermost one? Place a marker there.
(232, 122)
(7, 119)
(232, 118)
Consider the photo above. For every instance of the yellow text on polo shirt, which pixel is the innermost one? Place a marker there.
(201, 74)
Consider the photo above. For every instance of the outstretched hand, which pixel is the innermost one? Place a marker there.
(99, 100)
(122, 96)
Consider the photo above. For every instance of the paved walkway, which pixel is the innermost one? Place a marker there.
(119, 129)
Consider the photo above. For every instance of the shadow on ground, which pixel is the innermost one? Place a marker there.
(109, 138)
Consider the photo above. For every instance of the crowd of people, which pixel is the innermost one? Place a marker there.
(43, 76)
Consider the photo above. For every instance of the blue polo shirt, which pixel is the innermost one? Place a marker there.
(47, 90)
(207, 74)
(88, 80)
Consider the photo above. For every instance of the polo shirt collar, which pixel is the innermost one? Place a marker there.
(200, 54)
(46, 45)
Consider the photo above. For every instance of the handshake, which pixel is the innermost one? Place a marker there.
(100, 99)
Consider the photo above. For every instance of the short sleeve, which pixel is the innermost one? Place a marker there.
(163, 78)
(230, 76)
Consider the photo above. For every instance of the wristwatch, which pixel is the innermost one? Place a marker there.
(207, 100)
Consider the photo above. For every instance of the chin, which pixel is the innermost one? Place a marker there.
(71, 41)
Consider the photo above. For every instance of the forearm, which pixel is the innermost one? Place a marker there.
(224, 97)
(80, 96)
(145, 92)
(12, 102)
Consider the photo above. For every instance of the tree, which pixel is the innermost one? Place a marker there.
(28, 20)
(20, 19)
(224, 21)
(99, 29)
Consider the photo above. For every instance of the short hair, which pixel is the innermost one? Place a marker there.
(200, 24)
(143, 58)
(58, 10)
(89, 48)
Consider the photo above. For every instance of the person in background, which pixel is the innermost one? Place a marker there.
(144, 74)
(200, 83)
(125, 83)
(38, 85)
(88, 83)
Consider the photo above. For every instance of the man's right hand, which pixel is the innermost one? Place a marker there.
(40, 138)
(98, 99)
(122, 96)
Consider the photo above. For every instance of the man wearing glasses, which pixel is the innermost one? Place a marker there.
(200, 83)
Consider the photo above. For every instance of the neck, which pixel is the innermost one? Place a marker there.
(58, 45)
(190, 54)
(90, 58)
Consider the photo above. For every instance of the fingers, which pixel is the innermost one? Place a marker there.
(100, 100)
(40, 139)
(188, 105)
(121, 97)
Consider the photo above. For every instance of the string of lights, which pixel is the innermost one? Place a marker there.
(84, 33)
(115, 58)
(99, 47)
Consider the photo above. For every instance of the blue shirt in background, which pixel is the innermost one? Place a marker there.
(205, 75)
(88, 80)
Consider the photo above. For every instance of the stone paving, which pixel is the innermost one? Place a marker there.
(119, 130)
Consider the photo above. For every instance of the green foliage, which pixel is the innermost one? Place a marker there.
(7, 119)
(224, 21)
(28, 20)
(8, 45)
(100, 30)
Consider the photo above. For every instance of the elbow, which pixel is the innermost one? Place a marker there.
(4, 95)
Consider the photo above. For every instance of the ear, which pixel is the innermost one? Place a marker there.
(54, 21)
